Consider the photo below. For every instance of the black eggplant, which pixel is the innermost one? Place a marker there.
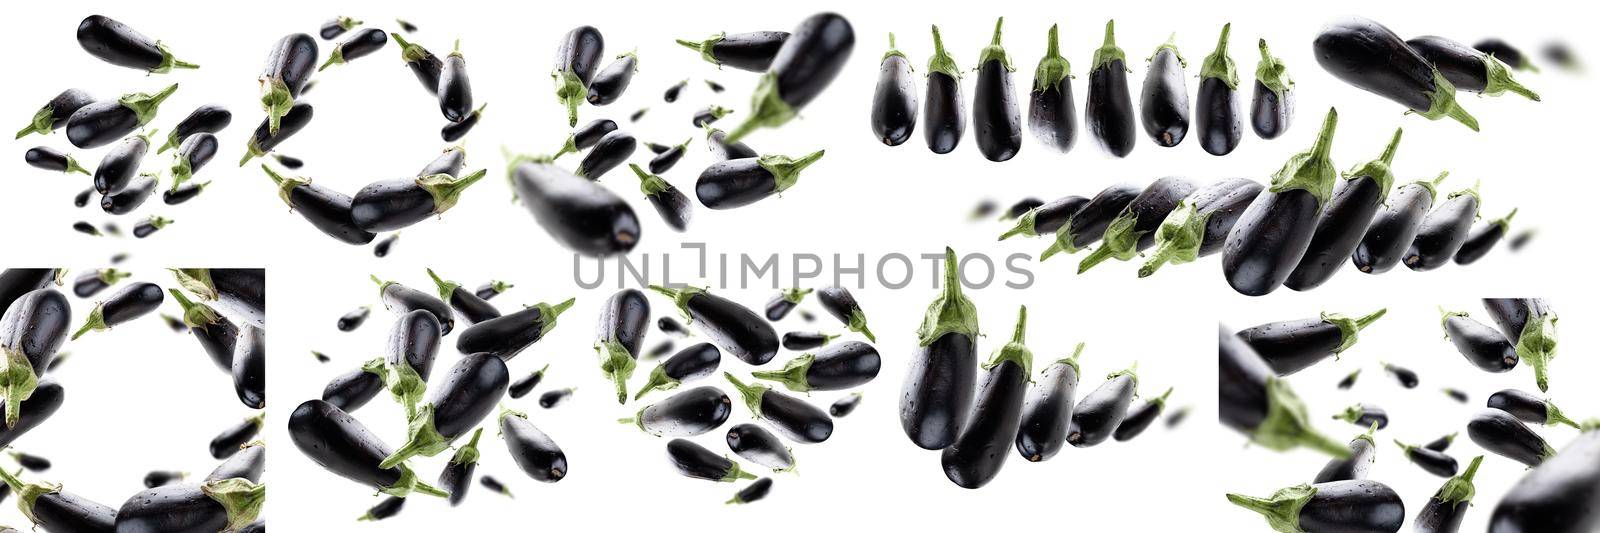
(386, 508)
(326, 209)
(82, 226)
(1098, 414)
(1164, 98)
(44, 401)
(130, 197)
(193, 155)
(1254, 401)
(426, 66)
(1272, 104)
(806, 340)
(360, 44)
(609, 84)
(1433, 461)
(54, 114)
(1482, 239)
(838, 367)
(624, 321)
(340, 444)
(1456, 394)
(693, 363)
(120, 165)
(249, 367)
(752, 51)
(248, 464)
(1047, 218)
(534, 452)
(116, 43)
(551, 399)
(1529, 408)
(1556, 497)
(1442, 443)
(1364, 53)
(454, 131)
(842, 407)
(610, 152)
(525, 385)
(469, 393)
(1530, 324)
(1272, 235)
(794, 418)
(838, 301)
(1022, 207)
(53, 509)
(289, 68)
(150, 225)
(1501, 433)
(403, 300)
(761, 447)
(944, 113)
(672, 327)
(508, 335)
(722, 150)
(131, 302)
(1048, 409)
(936, 396)
(1089, 223)
(755, 491)
(664, 161)
(671, 95)
(1480, 344)
(91, 282)
(1140, 418)
(894, 100)
(1506, 53)
(221, 505)
(1363, 452)
(352, 390)
(1293, 345)
(393, 204)
(736, 183)
(47, 158)
(582, 215)
(1217, 101)
(1469, 69)
(216, 334)
(978, 454)
(209, 118)
(1345, 219)
(1198, 226)
(1133, 229)
(289, 162)
(471, 307)
(1355, 506)
(265, 139)
(336, 26)
(808, 61)
(1364, 415)
(237, 437)
(409, 354)
(1109, 113)
(784, 302)
(30, 462)
(576, 61)
(31, 332)
(384, 246)
(456, 477)
(692, 412)
(1052, 114)
(158, 478)
(733, 327)
(455, 87)
(693, 460)
(1443, 231)
(97, 124)
(670, 203)
(994, 103)
(492, 288)
(1390, 234)
(708, 115)
(1446, 509)
(489, 482)
(587, 136)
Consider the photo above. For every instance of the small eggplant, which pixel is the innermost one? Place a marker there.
(676, 89)
(1164, 99)
(384, 246)
(669, 202)
(403, 300)
(507, 336)
(1052, 114)
(289, 162)
(289, 68)
(576, 61)
(664, 161)
(533, 451)
(806, 340)
(1218, 115)
(1482, 345)
(1363, 452)
(793, 417)
(809, 60)
(1364, 415)
(1089, 223)
(31, 333)
(116, 43)
(216, 334)
(265, 139)
(1506, 53)
(471, 307)
(1529, 408)
(1272, 235)
(1448, 507)
(456, 477)
(1469, 69)
(30, 462)
(221, 505)
(1022, 207)
(1257, 403)
(716, 87)
(1345, 218)
(693, 363)
(785, 301)
(1392, 230)
(85, 227)
(454, 131)
(1442, 443)
(49, 507)
(360, 44)
(455, 88)
(1133, 229)
(119, 166)
(739, 182)
(1482, 239)
(733, 327)
(228, 443)
(693, 412)
(936, 396)
(1530, 324)
(131, 302)
(1355, 506)
(193, 155)
(340, 444)
(671, 326)
(944, 113)
(1200, 223)
(1097, 416)
(97, 124)
(393, 204)
(1291, 346)
(47, 158)
(491, 289)
(157, 478)
(44, 401)
(709, 115)
(751, 51)
(582, 215)
(1557, 496)
(426, 66)
(553, 398)
(489, 482)
(1048, 410)
(1140, 418)
(1501, 433)
(130, 197)
(1047, 218)
(525, 385)
(91, 282)
(978, 454)
(55, 113)
(209, 118)
(250, 367)
(994, 104)
(406, 25)
(761, 447)
(1272, 105)
(842, 407)
(1443, 231)
(838, 367)
(321, 357)
(469, 393)
(609, 84)
(722, 150)
(894, 100)
(753, 492)
(326, 209)
(1364, 53)
(353, 389)
(610, 152)
(1432, 461)
(386, 508)
(624, 321)
(181, 194)
(336, 26)
(1109, 113)
(838, 301)
(412, 347)
(693, 460)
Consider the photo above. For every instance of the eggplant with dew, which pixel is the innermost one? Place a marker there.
(664, 161)
(469, 393)
(894, 100)
(1140, 417)
(1293, 345)
(326, 209)
(1098, 414)
(97, 124)
(1345, 219)
(1433, 461)
(978, 454)
(1354, 506)
(813, 55)
(1447, 508)
(1089, 223)
(1363, 452)
(423, 64)
(1198, 226)
(692, 412)
(722, 150)
(761, 447)
(784, 302)
(47, 158)
(130, 198)
(409, 355)
(1048, 409)
(1109, 112)
(249, 368)
(534, 452)
(1469, 69)
(116, 43)
(289, 68)
(733, 327)
(624, 321)
(32, 331)
(1482, 239)
(1367, 55)
(1047, 218)
(693, 460)
(193, 155)
(609, 84)
(120, 165)
(55, 113)
(209, 118)
(794, 418)
(389, 205)
(936, 395)
(994, 104)
(507, 336)
(800, 341)
(351, 390)
(944, 115)
(1133, 229)
(53, 509)
(577, 59)
(751, 51)
(1164, 98)
(131, 302)
(1217, 114)
(343, 446)
(456, 477)
(611, 151)
(669, 202)
(219, 505)
(1272, 235)
(1529, 408)
(1443, 231)
(45, 400)
(1530, 324)
(362, 43)
(1052, 113)
(838, 301)
(1558, 496)
(1272, 104)
(237, 437)
(580, 214)
(402, 300)
(1256, 402)
(16, 282)
(455, 87)
(1502, 433)
(1481, 344)
(739, 182)
(838, 367)
(690, 364)
(1391, 231)
(587, 136)
(468, 304)
(264, 139)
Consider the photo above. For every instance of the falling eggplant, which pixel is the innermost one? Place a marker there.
(1354, 506)
(1390, 234)
(1293, 345)
(455, 87)
(577, 58)
(222, 505)
(936, 396)
(394, 204)
(120, 165)
(336, 26)
(508, 335)
(894, 100)
(116, 43)
(1443, 231)
(1363, 452)
(326, 209)
(664, 161)
(360, 44)
(670, 203)
(1272, 235)
(55, 113)
(1089, 223)
(1098, 414)
(944, 113)
(1364, 415)
(690, 364)
(1433, 461)
(1048, 409)
(46, 399)
(1367, 55)
(978, 454)
(412, 347)
(352, 390)
(693, 460)
(265, 139)
(1200, 223)
(193, 155)
(426, 66)
(838, 301)
(1345, 219)
(1109, 112)
(32, 331)
(1501, 433)
(209, 118)
(761, 447)
(53, 509)
(130, 197)
(289, 67)
(838, 367)
(1272, 103)
(525, 385)
(47, 158)
(249, 366)
(131, 302)
(1482, 239)
(533, 451)
(609, 84)
(794, 418)
(610, 152)
(1530, 324)
(692, 412)
(1139, 418)
(1047, 218)
(465, 302)
(1164, 98)
(731, 326)
(582, 215)
(97, 124)
(1469, 69)
(1482, 345)
(1257, 403)
(402, 300)
(752, 51)
(994, 104)
(624, 321)
(456, 477)
(1557, 496)
(1133, 229)
(1529, 408)
(469, 393)
(340, 444)
(1217, 114)
(813, 55)
(784, 302)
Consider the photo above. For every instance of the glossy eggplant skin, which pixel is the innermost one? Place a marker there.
(587, 136)
(1147, 211)
(47, 158)
(403, 300)
(46, 399)
(132, 301)
(508, 335)
(16, 282)
(1140, 417)
(1340, 229)
(209, 118)
(840, 366)
(534, 452)
(1511, 315)
(182, 508)
(116, 43)
(352, 390)
(794, 418)
(1249, 391)
(1294, 345)
(289, 66)
(468, 394)
(148, 226)
(608, 153)
(414, 342)
(612, 81)
(32, 331)
(1164, 98)
(1506, 53)
(733, 327)
(232, 440)
(455, 88)
(1367, 55)
(130, 197)
(193, 155)
(978, 454)
(389, 205)
(1052, 112)
(248, 463)
(1481, 344)
(250, 367)
(944, 116)
(425, 65)
(98, 123)
(995, 119)
(1442, 232)
(54, 114)
(735, 183)
(668, 201)
(1218, 117)
(1392, 230)
(1089, 224)
(938, 391)
(1528, 408)
(1559, 496)
(326, 209)
(1356, 506)
(760, 446)
(1109, 111)
(1220, 203)
(692, 363)
(809, 60)
(582, 215)
(217, 334)
(1433, 462)
(577, 59)
(751, 51)
(119, 166)
(1363, 452)
(340, 444)
(1469, 69)
(68, 512)
(1097, 416)
(692, 412)
(469, 305)
(1501, 433)
(722, 150)
(1482, 239)
(624, 321)
(456, 477)
(839, 302)
(894, 100)
(1270, 114)
(1269, 239)
(1047, 218)
(264, 139)
(1047, 412)
(693, 460)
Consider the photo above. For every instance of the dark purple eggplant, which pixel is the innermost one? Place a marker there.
(508, 335)
(394, 204)
(264, 139)
(1273, 234)
(669, 202)
(1164, 98)
(30, 462)
(249, 367)
(237, 437)
(978, 454)
(552, 398)
(894, 100)
(403, 300)
(576, 61)
(752, 51)
(469, 393)
(580, 214)
(248, 464)
(693, 363)
(760, 446)
(1272, 104)
(734, 328)
(609, 84)
(1501, 433)
(1217, 114)
(47, 158)
(412, 347)
(1558, 496)
(1052, 114)
(353, 389)
(806, 340)
(455, 87)
(85, 227)
(664, 161)
(1345, 218)
(54, 114)
(489, 482)
(1442, 443)
(289, 67)
(386, 245)
(838, 301)
(1447, 508)
(220, 505)
(340, 444)
(209, 118)
(130, 197)
(49, 507)
(709, 115)
(525, 385)
(1482, 345)
(1133, 229)
(326, 209)
(1257, 403)
(1390, 234)
(16, 282)
(722, 150)
(609, 152)
(794, 418)
(838, 367)
(426, 66)
(994, 104)
(534, 452)
(624, 321)
(813, 55)
(739, 182)
(454, 131)
(1089, 223)
(671, 95)
(693, 412)
(1047, 218)
(1469, 69)
(1432, 461)
(491, 289)
(1355, 506)
(1530, 324)
(1482, 239)
(32, 331)
(120, 165)
(1098, 414)
(1363, 452)
(1021, 207)
(456, 477)
(157, 478)
(717, 87)
(98, 123)
(289, 162)
(131, 302)
(386, 508)
(193, 155)
(944, 113)
(91, 282)
(1198, 226)
(1140, 417)
(693, 460)
(1365, 54)
(1443, 231)
(360, 44)
(44, 400)
(1293, 345)
(1109, 112)
(116, 43)
(1506, 53)
(1529, 408)
(216, 334)
(1048, 409)
(784, 302)
(471, 307)
(753, 492)
(336, 26)
(842, 407)
(936, 396)
(1364, 415)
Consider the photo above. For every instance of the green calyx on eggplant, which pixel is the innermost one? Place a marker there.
(1198, 226)
(837, 367)
(692, 363)
(809, 60)
(1353, 505)
(1366, 54)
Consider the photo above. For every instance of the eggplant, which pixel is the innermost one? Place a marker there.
(340, 444)
(671, 95)
(1022, 207)
(32, 330)
(1480, 344)
(784, 302)
(44, 401)
(426, 66)
(582, 215)
(722, 150)
(838, 367)
(587, 136)
(394, 204)
(894, 100)
(336, 26)
(1354, 466)
(739, 182)
(1345, 219)
(1367, 55)
(386, 508)
(936, 395)
(326, 209)
(1164, 98)
(706, 116)
(1272, 235)
(693, 460)
(624, 321)
(468, 394)
(289, 162)
(491, 289)
(131, 302)
(672, 327)
(1046, 218)
(47, 158)
(507, 336)
(217, 334)
(471, 307)
(1556, 497)
(551, 399)
(693, 363)
(1133, 229)
(352, 390)
(525, 385)
(403, 300)
(717, 87)
(1443, 231)
(1364, 415)
(838, 301)
(534, 452)
(794, 418)
(1482, 239)
(731, 326)
(1048, 409)
(1529, 408)
(944, 114)
(384, 246)
(1433, 461)
(609, 84)
(1506, 53)
(49, 507)
(97, 124)
(236, 438)
(360, 44)
(30, 462)
(1469, 69)
(158, 478)
(1272, 104)
(85, 227)
(1109, 113)
(55, 113)
(222, 505)
(412, 346)
(693, 412)
(1355, 506)
(130, 197)
(1390, 234)
(751, 51)
(842, 407)
(1218, 115)
(1501, 433)
(455, 87)
(1530, 324)
(994, 104)
(1442, 443)
(456, 477)
(250, 367)
(91, 282)
(1089, 223)
(761, 447)
(489, 482)
(248, 464)
(196, 151)
(665, 160)
(1293, 345)
(119, 166)
(116, 43)
(1447, 508)
(755, 491)
(576, 61)
(1098, 414)
(289, 68)
(1456, 394)
(1140, 418)
(321, 357)
(806, 340)
(813, 55)
(669, 202)
(610, 152)
(1198, 226)
(265, 139)
(209, 118)
(1052, 114)
(1254, 401)
(978, 454)
(454, 131)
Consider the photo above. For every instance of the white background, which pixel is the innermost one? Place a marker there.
(373, 122)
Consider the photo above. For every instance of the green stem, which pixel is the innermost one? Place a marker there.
(1442, 103)
(752, 393)
(1178, 239)
(145, 106)
(1272, 73)
(996, 52)
(1378, 170)
(893, 52)
(1553, 416)
(1288, 426)
(942, 62)
(1500, 80)
(793, 374)
(1311, 170)
(1282, 509)
(446, 189)
(951, 312)
(1108, 50)
(1218, 65)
